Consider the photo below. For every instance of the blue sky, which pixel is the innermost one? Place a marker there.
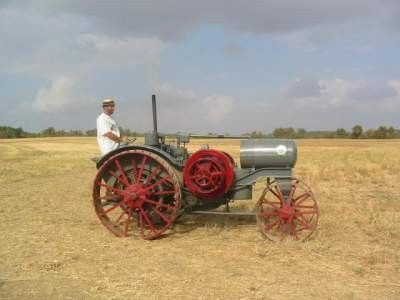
(221, 66)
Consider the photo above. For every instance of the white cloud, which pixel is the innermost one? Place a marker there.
(175, 96)
(273, 16)
(34, 41)
(334, 91)
(66, 51)
(395, 83)
(62, 95)
(277, 17)
(340, 103)
(338, 92)
(302, 88)
(113, 51)
(218, 107)
(182, 109)
(372, 90)
(305, 92)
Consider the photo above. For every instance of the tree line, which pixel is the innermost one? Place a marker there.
(7, 132)
(357, 132)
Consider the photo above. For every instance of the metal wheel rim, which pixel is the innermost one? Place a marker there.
(141, 195)
(293, 216)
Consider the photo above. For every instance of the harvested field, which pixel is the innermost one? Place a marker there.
(53, 246)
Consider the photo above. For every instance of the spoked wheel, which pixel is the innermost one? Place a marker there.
(136, 191)
(294, 214)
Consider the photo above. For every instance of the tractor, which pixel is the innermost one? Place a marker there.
(141, 190)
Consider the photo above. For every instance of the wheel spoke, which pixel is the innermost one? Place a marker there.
(148, 221)
(159, 182)
(119, 178)
(162, 216)
(142, 168)
(141, 223)
(207, 166)
(159, 204)
(128, 222)
(267, 213)
(277, 196)
(293, 230)
(123, 175)
(293, 189)
(272, 204)
(154, 173)
(119, 218)
(304, 222)
(304, 206)
(112, 208)
(164, 193)
(134, 169)
(302, 229)
(301, 213)
(270, 226)
(109, 197)
(279, 192)
(110, 188)
(283, 231)
(301, 198)
(215, 173)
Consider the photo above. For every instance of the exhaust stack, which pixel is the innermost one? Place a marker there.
(151, 138)
(154, 107)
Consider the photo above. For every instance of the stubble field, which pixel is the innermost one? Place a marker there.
(53, 246)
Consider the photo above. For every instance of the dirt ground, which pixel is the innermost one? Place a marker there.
(52, 245)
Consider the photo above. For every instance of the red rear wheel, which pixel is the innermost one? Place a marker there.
(295, 215)
(136, 191)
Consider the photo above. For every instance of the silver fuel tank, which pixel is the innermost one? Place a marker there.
(267, 153)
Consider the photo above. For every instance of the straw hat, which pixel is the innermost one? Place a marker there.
(107, 102)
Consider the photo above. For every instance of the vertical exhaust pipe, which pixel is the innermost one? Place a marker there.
(151, 138)
(154, 107)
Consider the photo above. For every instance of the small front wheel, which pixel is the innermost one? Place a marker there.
(294, 214)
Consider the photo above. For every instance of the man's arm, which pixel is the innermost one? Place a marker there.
(113, 137)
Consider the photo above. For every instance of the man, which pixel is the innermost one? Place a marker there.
(108, 135)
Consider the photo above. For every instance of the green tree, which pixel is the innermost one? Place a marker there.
(380, 132)
(91, 132)
(7, 132)
(341, 133)
(75, 133)
(50, 131)
(356, 132)
(301, 133)
(391, 133)
(257, 134)
(383, 132)
(370, 134)
(282, 132)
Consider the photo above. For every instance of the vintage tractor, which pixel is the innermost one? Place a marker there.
(143, 189)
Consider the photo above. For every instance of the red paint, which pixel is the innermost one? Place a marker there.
(208, 174)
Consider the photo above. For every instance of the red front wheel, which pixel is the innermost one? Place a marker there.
(294, 214)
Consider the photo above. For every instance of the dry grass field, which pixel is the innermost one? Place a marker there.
(52, 246)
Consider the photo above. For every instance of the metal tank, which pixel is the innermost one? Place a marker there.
(267, 153)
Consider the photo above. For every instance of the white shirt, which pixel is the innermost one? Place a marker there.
(106, 124)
